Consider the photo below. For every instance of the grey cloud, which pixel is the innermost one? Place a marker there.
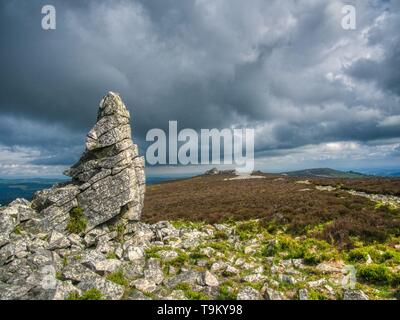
(207, 64)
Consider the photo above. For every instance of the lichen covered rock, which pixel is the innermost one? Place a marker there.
(107, 181)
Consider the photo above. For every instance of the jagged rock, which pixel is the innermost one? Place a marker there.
(176, 295)
(137, 295)
(107, 181)
(6, 253)
(91, 258)
(16, 272)
(287, 279)
(210, 279)
(109, 289)
(92, 236)
(64, 289)
(190, 277)
(23, 209)
(58, 241)
(230, 270)
(330, 267)
(134, 253)
(133, 270)
(76, 272)
(248, 293)
(107, 266)
(218, 266)
(303, 294)
(316, 283)
(13, 292)
(256, 277)
(8, 223)
(349, 294)
(167, 255)
(153, 271)
(145, 285)
(271, 294)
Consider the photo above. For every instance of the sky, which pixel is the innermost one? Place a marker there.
(316, 95)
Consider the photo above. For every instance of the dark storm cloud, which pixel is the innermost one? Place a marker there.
(385, 72)
(287, 69)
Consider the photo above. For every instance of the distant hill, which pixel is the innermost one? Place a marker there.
(10, 189)
(325, 173)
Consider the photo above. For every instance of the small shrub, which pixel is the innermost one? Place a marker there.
(152, 252)
(379, 254)
(358, 255)
(226, 293)
(313, 251)
(77, 221)
(120, 228)
(118, 278)
(221, 235)
(375, 273)
(18, 230)
(395, 281)
(248, 229)
(111, 255)
(196, 255)
(180, 260)
(91, 294)
(315, 295)
(189, 293)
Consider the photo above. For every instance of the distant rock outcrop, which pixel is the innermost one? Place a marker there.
(215, 171)
(107, 181)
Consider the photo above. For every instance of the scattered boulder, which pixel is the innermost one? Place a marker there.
(210, 279)
(303, 294)
(145, 285)
(350, 294)
(248, 293)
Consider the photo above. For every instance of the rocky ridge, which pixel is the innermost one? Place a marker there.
(107, 188)
(179, 260)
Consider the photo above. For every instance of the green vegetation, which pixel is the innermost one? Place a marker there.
(77, 221)
(152, 252)
(226, 293)
(91, 294)
(189, 293)
(111, 255)
(336, 217)
(220, 235)
(315, 295)
(118, 278)
(378, 253)
(18, 230)
(378, 274)
(120, 228)
(248, 229)
(313, 251)
(179, 261)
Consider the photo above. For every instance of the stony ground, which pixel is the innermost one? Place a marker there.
(307, 241)
(186, 260)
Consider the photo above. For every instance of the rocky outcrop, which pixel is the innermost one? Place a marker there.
(215, 171)
(139, 261)
(106, 192)
(107, 181)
